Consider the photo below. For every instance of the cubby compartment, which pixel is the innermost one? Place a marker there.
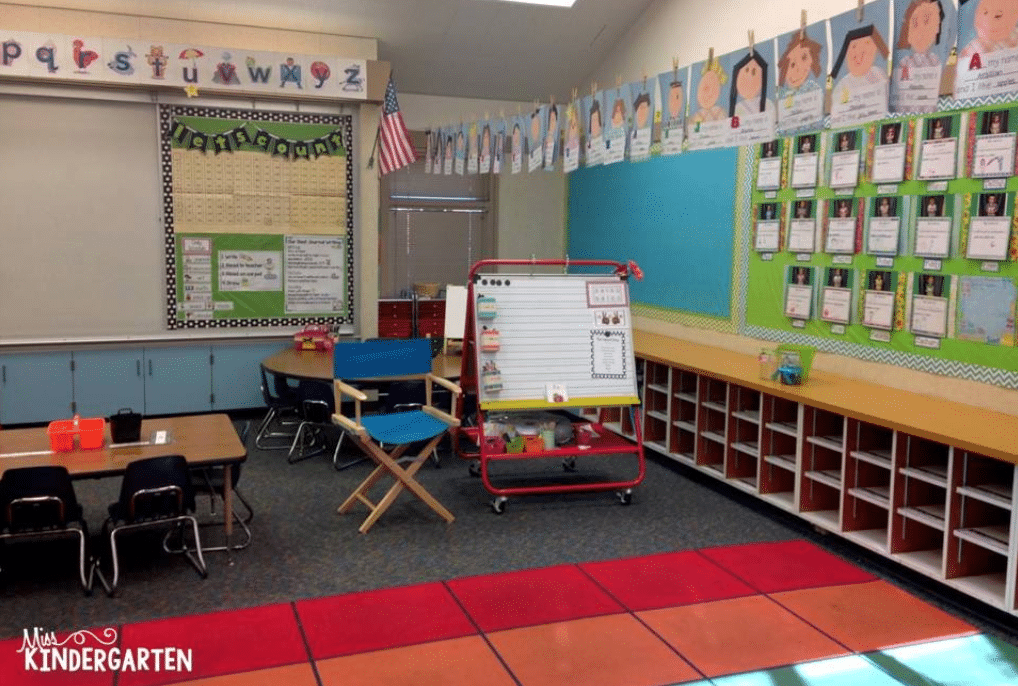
(868, 472)
(919, 500)
(742, 458)
(822, 457)
(979, 523)
(655, 406)
(779, 431)
(682, 435)
(712, 423)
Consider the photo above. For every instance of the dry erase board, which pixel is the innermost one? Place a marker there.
(547, 340)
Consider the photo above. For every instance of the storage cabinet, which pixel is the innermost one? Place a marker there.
(35, 387)
(107, 380)
(395, 319)
(945, 512)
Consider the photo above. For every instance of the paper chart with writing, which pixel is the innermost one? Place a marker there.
(836, 305)
(878, 309)
(572, 330)
(929, 316)
(315, 273)
(768, 167)
(994, 155)
(884, 234)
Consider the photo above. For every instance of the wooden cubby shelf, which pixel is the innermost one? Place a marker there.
(917, 480)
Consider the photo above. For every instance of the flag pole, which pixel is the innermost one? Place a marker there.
(378, 129)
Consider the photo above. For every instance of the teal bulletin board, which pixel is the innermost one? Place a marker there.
(672, 215)
(966, 343)
(258, 218)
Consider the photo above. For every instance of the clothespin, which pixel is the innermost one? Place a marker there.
(645, 78)
(710, 57)
(859, 12)
(501, 114)
(593, 88)
(576, 92)
(752, 43)
(802, 25)
(618, 80)
(487, 116)
(675, 68)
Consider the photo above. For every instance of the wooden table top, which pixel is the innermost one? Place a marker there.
(979, 430)
(317, 365)
(201, 439)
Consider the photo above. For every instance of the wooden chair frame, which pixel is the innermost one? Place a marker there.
(388, 463)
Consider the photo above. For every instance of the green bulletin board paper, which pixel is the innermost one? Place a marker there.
(766, 284)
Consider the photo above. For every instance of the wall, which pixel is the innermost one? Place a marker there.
(531, 206)
(27, 18)
(681, 29)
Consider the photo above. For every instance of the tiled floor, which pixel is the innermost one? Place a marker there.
(777, 614)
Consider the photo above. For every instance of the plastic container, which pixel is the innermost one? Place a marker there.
(785, 353)
(91, 433)
(61, 435)
(768, 364)
(125, 426)
(534, 444)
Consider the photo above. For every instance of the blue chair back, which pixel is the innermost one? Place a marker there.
(389, 358)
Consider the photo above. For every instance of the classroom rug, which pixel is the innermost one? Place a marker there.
(769, 614)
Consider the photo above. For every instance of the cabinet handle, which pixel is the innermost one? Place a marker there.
(138, 364)
(150, 367)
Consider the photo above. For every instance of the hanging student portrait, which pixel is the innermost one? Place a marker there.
(551, 133)
(593, 110)
(750, 101)
(484, 148)
(616, 125)
(859, 75)
(642, 95)
(802, 67)
(571, 139)
(926, 34)
(535, 138)
(672, 85)
(987, 48)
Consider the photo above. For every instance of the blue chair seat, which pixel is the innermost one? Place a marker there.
(403, 427)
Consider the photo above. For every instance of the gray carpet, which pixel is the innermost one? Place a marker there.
(302, 548)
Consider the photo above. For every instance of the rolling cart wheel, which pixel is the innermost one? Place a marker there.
(625, 497)
(569, 464)
(474, 468)
(498, 504)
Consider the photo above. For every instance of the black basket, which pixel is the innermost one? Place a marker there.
(125, 426)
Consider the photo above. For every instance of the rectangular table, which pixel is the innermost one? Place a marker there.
(203, 440)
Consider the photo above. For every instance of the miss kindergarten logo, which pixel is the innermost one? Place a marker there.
(85, 651)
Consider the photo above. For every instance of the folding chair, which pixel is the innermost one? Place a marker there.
(380, 361)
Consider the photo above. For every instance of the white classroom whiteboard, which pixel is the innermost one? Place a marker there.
(572, 332)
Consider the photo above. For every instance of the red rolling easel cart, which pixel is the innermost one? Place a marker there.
(549, 339)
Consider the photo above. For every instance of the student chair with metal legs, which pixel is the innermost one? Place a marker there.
(156, 492)
(316, 427)
(386, 361)
(276, 429)
(39, 503)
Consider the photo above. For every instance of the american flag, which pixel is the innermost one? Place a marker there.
(396, 150)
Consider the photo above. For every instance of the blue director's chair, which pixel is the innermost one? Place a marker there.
(382, 361)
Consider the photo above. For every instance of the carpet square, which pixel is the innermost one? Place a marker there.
(666, 580)
(872, 616)
(612, 650)
(532, 596)
(465, 661)
(386, 618)
(970, 660)
(786, 566)
(14, 669)
(851, 670)
(739, 635)
(221, 642)
(291, 675)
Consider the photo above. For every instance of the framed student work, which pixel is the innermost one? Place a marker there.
(258, 211)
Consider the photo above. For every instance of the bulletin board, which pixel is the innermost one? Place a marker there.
(258, 210)
(665, 211)
(563, 340)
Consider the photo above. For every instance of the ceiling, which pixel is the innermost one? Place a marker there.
(466, 48)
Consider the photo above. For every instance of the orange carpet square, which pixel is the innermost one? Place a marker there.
(872, 616)
(786, 565)
(466, 661)
(613, 650)
(739, 635)
(291, 675)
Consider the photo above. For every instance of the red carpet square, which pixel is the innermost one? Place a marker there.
(532, 596)
(667, 580)
(15, 670)
(388, 618)
(786, 566)
(221, 642)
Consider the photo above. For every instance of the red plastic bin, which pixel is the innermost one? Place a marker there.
(61, 435)
(91, 433)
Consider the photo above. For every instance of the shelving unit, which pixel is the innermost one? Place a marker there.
(921, 491)
(655, 405)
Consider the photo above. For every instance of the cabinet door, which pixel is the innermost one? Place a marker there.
(236, 377)
(107, 380)
(178, 380)
(35, 387)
